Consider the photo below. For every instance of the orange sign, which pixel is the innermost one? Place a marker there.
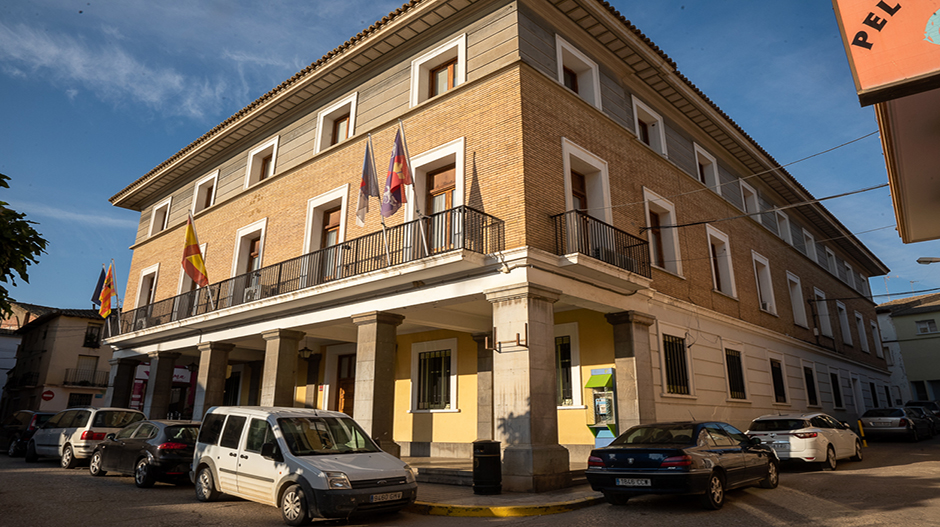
(893, 46)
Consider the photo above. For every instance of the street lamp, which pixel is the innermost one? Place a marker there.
(926, 260)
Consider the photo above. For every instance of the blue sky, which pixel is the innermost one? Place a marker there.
(95, 94)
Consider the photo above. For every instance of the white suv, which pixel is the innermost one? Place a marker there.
(307, 462)
(72, 434)
(812, 437)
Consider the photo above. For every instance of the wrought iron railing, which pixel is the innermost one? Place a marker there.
(24, 380)
(576, 232)
(74, 377)
(460, 228)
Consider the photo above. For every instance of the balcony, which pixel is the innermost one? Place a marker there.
(96, 378)
(461, 228)
(578, 233)
(25, 380)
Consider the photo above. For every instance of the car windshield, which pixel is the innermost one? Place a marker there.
(884, 412)
(116, 418)
(770, 425)
(42, 418)
(306, 436)
(182, 433)
(656, 435)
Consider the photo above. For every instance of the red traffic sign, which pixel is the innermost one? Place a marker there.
(48, 395)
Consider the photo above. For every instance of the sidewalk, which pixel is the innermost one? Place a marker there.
(453, 500)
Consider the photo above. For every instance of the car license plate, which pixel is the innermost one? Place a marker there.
(388, 496)
(780, 446)
(633, 482)
(881, 424)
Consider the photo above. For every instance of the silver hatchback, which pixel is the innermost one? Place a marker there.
(72, 434)
(901, 422)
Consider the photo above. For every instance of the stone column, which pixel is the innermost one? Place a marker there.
(157, 401)
(280, 367)
(313, 378)
(633, 368)
(374, 400)
(524, 389)
(254, 382)
(484, 387)
(210, 384)
(122, 381)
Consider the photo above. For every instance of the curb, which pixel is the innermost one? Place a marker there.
(475, 511)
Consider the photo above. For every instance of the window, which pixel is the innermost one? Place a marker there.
(926, 326)
(765, 288)
(810, 244)
(849, 277)
(439, 70)
(836, 382)
(886, 353)
(567, 365)
(735, 367)
(844, 323)
(862, 336)
(232, 431)
(577, 72)
(780, 387)
(920, 390)
(261, 162)
(434, 375)
(796, 300)
(663, 242)
(809, 375)
(876, 337)
(204, 193)
(676, 365)
(93, 336)
(160, 215)
(325, 228)
(649, 126)
(749, 198)
(822, 310)
(80, 399)
(581, 165)
(259, 433)
(86, 366)
(783, 227)
(874, 394)
(888, 395)
(246, 264)
(147, 285)
(706, 169)
(720, 254)
(439, 182)
(831, 265)
(336, 122)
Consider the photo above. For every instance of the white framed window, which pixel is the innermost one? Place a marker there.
(439, 70)
(888, 356)
(595, 200)
(249, 248)
(160, 216)
(796, 300)
(926, 326)
(876, 337)
(314, 225)
(835, 384)
(831, 264)
(676, 366)
(862, 334)
(706, 168)
(810, 383)
(663, 240)
(650, 127)
(735, 371)
(720, 255)
(810, 244)
(336, 123)
(429, 162)
(765, 286)
(783, 227)
(147, 285)
(325, 230)
(577, 72)
(204, 192)
(434, 376)
(849, 275)
(822, 310)
(749, 198)
(778, 377)
(844, 323)
(261, 162)
(568, 365)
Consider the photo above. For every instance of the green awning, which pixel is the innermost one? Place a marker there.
(604, 380)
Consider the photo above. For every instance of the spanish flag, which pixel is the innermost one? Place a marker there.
(193, 264)
(107, 291)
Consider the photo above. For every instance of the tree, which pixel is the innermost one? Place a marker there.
(20, 246)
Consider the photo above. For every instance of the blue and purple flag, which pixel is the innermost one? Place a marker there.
(399, 175)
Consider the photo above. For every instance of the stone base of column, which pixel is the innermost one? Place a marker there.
(529, 468)
(390, 447)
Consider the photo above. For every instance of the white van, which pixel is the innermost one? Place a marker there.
(309, 463)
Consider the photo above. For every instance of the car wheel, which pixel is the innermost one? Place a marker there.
(205, 486)
(68, 457)
(714, 496)
(294, 507)
(773, 476)
(94, 467)
(31, 456)
(858, 451)
(831, 461)
(143, 476)
(616, 499)
(11, 450)
(914, 435)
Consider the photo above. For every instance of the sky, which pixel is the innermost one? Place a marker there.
(93, 95)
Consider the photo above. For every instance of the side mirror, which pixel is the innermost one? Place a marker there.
(109, 437)
(270, 451)
(754, 441)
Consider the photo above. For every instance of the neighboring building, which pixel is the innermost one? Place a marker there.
(555, 148)
(60, 361)
(909, 329)
(9, 341)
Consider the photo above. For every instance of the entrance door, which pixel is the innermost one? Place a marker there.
(345, 383)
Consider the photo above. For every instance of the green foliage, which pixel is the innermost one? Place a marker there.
(20, 246)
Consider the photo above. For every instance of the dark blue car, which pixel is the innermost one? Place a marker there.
(150, 450)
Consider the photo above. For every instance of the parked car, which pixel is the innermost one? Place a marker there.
(895, 423)
(307, 462)
(72, 434)
(811, 437)
(706, 458)
(18, 428)
(929, 416)
(933, 406)
(150, 450)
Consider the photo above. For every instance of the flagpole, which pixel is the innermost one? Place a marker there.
(375, 181)
(113, 282)
(203, 256)
(404, 144)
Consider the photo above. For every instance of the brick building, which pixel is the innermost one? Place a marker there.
(555, 149)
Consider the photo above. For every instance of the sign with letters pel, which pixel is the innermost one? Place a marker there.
(893, 46)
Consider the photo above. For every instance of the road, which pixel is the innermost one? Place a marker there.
(897, 483)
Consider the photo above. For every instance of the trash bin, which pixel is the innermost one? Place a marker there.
(487, 467)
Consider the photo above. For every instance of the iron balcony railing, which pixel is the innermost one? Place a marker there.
(576, 232)
(460, 228)
(74, 377)
(24, 380)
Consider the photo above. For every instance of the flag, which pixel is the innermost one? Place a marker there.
(193, 264)
(94, 296)
(107, 291)
(368, 187)
(399, 175)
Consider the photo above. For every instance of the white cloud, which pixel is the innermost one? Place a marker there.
(99, 220)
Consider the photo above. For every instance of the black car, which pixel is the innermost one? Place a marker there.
(705, 458)
(150, 450)
(18, 428)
